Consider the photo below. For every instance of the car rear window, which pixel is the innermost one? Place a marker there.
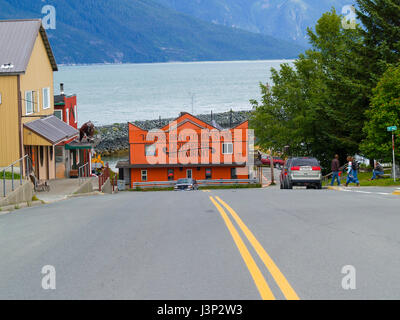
(305, 162)
(183, 181)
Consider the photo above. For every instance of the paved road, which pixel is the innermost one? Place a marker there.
(226, 244)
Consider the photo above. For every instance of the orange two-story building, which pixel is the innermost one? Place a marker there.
(186, 148)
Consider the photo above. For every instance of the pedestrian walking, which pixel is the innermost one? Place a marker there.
(335, 170)
(352, 172)
(378, 171)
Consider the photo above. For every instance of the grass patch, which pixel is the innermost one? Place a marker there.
(9, 175)
(364, 177)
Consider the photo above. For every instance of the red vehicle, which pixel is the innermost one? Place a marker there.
(278, 162)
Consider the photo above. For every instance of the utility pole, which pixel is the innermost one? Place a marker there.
(192, 97)
(394, 159)
(271, 162)
(392, 130)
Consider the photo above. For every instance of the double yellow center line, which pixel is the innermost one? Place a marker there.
(259, 280)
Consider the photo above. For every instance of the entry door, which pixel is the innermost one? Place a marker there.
(233, 174)
(189, 173)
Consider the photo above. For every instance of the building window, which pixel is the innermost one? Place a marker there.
(150, 150)
(227, 148)
(144, 175)
(171, 175)
(67, 116)
(41, 155)
(208, 174)
(46, 98)
(189, 174)
(29, 97)
(59, 154)
(58, 114)
(51, 151)
(75, 114)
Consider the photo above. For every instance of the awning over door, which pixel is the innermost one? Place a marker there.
(48, 131)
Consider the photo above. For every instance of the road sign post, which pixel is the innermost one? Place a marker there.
(392, 130)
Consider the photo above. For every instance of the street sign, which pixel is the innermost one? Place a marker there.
(391, 129)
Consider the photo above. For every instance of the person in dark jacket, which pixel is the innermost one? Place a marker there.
(378, 171)
(335, 170)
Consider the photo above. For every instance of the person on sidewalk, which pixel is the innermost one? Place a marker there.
(335, 170)
(352, 172)
(378, 171)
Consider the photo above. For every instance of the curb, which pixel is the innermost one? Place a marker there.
(94, 193)
(335, 188)
(14, 207)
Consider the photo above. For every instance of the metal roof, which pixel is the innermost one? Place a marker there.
(52, 129)
(17, 39)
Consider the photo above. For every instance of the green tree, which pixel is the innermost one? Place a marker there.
(381, 34)
(316, 107)
(384, 112)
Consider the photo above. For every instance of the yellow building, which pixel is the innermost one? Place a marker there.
(27, 124)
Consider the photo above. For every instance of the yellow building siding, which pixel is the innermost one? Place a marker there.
(38, 75)
(9, 135)
(33, 139)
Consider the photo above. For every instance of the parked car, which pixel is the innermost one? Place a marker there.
(278, 162)
(186, 184)
(301, 172)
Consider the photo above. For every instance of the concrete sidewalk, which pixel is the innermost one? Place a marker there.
(63, 188)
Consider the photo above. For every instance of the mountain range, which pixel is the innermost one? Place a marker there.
(120, 31)
(283, 19)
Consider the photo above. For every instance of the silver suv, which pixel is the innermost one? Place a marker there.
(301, 172)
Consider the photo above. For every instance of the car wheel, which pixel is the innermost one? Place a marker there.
(319, 186)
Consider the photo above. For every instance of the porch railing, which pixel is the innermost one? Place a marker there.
(25, 168)
(83, 172)
(104, 176)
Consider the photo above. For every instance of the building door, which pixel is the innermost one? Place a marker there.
(233, 174)
(189, 173)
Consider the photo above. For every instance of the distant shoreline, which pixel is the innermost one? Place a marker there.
(171, 62)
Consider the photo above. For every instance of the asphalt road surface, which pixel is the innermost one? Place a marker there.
(225, 244)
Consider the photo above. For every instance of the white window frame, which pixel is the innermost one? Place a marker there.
(37, 104)
(75, 114)
(61, 112)
(67, 116)
(225, 148)
(143, 174)
(29, 101)
(46, 100)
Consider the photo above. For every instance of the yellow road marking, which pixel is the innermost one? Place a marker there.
(206, 191)
(280, 279)
(262, 286)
